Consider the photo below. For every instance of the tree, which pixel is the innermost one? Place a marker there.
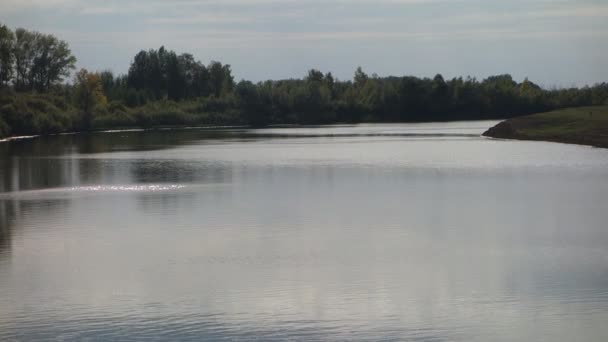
(162, 73)
(220, 78)
(195, 76)
(89, 94)
(439, 95)
(360, 78)
(176, 78)
(41, 60)
(251, 104)
(216, 78)
(53, 62)
(330, 82)
(7, 41)
(314, 76)
(107, 81)
(24, 54)
(138, 70)
(228, 84)
(145, 73)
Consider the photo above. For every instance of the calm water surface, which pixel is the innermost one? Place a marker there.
(421, 232)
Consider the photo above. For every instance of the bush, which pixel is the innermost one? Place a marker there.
(162, 113)
(4, 129)
(34, 114)
(114, 119)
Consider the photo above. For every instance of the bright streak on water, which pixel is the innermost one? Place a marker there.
(90, 190)
(132, 188)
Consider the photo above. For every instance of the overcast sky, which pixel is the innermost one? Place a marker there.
(553, 42)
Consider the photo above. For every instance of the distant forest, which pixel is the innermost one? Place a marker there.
(164, 88)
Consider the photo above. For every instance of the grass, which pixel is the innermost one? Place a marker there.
(584, 126)
(33, 114)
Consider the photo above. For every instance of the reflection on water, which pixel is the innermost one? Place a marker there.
(371, 232)
(7, 216)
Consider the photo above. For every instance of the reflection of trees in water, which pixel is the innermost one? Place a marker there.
(8, 212)
(24, 173)
(102, 142)
(179, 172)
(12, 211)
(46, 162)
(24, 165)
(144, 140)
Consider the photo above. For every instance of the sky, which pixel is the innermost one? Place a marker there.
(556, 43)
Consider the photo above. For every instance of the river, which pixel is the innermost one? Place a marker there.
(418, 232)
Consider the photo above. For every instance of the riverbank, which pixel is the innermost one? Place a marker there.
(31, 114)
(582, 126)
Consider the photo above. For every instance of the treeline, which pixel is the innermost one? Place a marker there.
(320, 98)
(163, 75)
(164, 88)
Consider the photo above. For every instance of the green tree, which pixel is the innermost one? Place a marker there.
(24, 54)
(54, 62)
(108, 82)
(7, 41)
(220, 78)
(146, 73)
(176, 78)
(196, 76)
(89, 95)
(251, 105)
(314, 76)
(360, 78)
(41, 60)
(439, 95)
(330, 82)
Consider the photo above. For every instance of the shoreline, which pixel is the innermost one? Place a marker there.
(539, 141)
(119, 130)
(586, 126)
(221, 127)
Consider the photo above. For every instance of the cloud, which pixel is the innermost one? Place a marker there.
(548, 12)
(582, 11)
(113, 6)
(8, 6)
(203, 18)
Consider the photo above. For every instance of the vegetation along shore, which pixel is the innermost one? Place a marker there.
(42, 93)
(584, 126)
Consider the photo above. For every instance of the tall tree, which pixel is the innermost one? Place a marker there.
(146, 73)
(251, 104)
(41, 60)
(220, 78)
(7, 41)
(89, 94)
(52, 63)
(137, 76)
(24, 54)
(176, 78)
(360, 78)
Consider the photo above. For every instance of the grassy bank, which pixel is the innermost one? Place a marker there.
(41, 114)
(584, 126)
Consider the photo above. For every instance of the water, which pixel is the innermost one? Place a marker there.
(422, 232)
